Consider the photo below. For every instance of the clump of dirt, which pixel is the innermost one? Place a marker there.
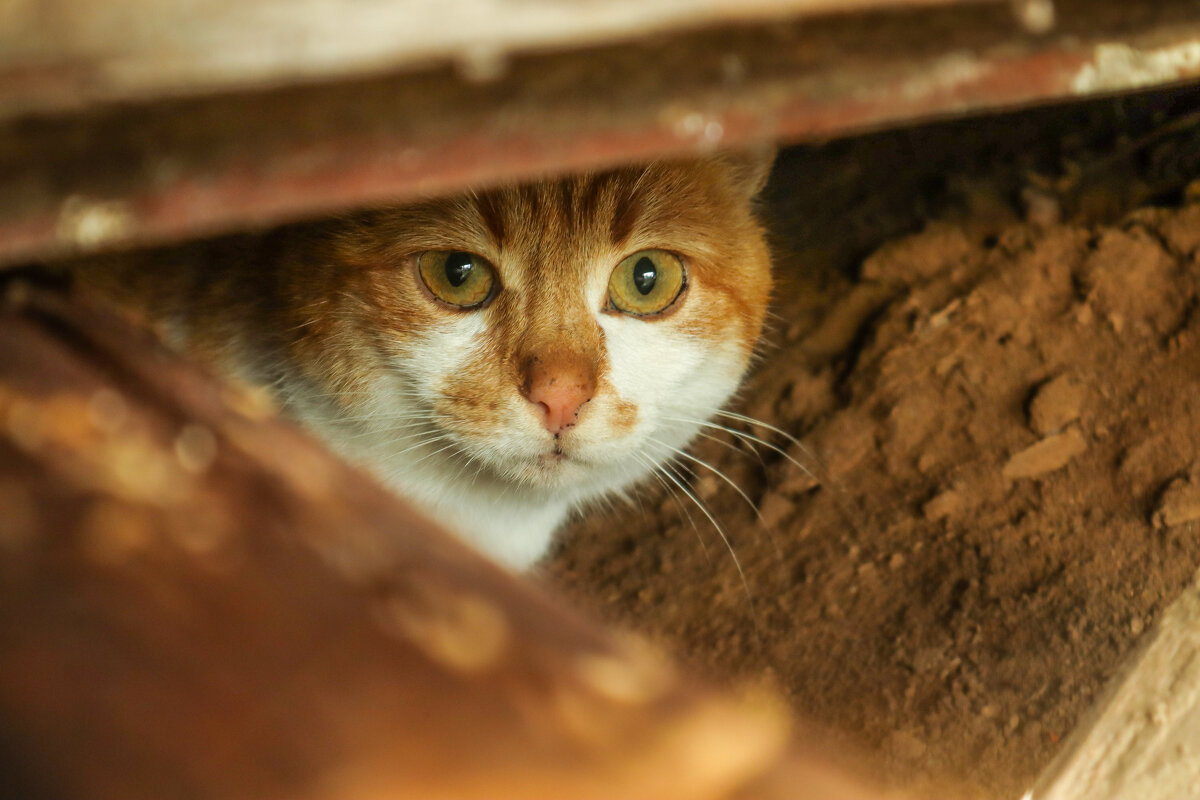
(995, 495)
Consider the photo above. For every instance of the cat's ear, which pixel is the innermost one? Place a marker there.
(750, 168)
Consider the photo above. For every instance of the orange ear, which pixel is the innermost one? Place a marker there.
(750, 168)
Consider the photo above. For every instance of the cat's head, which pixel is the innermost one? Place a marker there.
(557, 337)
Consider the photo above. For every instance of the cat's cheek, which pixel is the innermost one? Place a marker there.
(673, 378)
(440, 365)
(442, 350)
(713, 317)
(646, 363)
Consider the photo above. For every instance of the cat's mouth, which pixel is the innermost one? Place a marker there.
(553, 457)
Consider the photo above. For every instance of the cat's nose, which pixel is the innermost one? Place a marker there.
(559, 390)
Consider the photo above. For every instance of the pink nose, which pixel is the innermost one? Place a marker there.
(559, 390)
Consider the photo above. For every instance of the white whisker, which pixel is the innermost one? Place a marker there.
(431, 440)
(737, 448)
(756, 440)
(670, 474)
(655, 470)
(779, 431)
(386, 416)
(435, 452)
(408, 431)
(711, 469)
(824, 478)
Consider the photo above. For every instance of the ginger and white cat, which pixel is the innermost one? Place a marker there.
(498, 358)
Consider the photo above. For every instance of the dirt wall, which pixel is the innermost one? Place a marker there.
(987, 344)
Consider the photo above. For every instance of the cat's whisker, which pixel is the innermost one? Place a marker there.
(737, 562)
(755, 440)
(480, 465)
(839, 491)
(354, 397)
(388, 417)
(712, 469)
(408, 431)
(372, 392)
(799, 445)
(366, 411)
(308, 323)
(770, 534)
(467, 460)
(435, 452)
(424, 442)
(629, 499)
(607, 503)
(740, 447)
(778, 431)
(655, 470)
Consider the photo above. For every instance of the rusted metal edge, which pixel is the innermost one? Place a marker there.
(157, 172)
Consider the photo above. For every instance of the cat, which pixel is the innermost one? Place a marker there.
(499, 358)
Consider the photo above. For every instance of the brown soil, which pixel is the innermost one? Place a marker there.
(1001, 413)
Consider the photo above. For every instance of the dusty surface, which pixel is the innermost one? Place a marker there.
(987, 340)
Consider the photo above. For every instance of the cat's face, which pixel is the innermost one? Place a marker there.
(560, 337)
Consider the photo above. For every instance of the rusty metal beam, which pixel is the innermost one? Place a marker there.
(117, 175)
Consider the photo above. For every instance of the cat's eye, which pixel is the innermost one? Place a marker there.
(460, 279)
(646, 283)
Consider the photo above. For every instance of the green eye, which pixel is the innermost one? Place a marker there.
(461, 279)
(646, 283)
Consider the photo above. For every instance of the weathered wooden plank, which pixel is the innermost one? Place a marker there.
(57, 54)
(126, 175)
(1141, 741)
(197, 601)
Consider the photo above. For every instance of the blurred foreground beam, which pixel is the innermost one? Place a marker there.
(130, 122)
(196, 601)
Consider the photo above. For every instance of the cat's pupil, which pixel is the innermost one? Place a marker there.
(458, 268)
(645, 275)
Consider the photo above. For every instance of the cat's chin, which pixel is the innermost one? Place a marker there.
(553, 470)
(561, 474)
